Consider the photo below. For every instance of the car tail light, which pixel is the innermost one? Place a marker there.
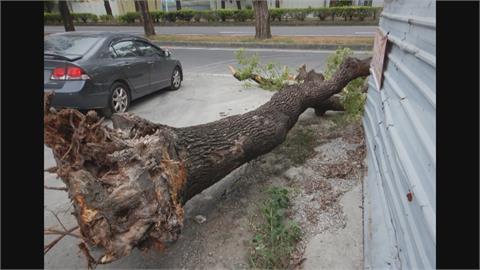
(69, 73)
(58, 74)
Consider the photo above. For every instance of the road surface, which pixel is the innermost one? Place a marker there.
(233, 30)
(216, 60)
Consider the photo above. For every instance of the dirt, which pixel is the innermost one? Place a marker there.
(229, 209)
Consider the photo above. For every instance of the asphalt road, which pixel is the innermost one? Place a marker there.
(208, 93)
(216, 60)
(233, 30)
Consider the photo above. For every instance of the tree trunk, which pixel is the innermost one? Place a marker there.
(262, 20)
(128, 184)
(239, 5)
(277, 3)
(179, 5)
(108, 9)
(146, 18)
(138, 9)
(66, 17)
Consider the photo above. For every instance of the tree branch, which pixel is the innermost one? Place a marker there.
(49, 246)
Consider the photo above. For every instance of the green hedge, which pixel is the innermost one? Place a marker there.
(243, 15)
(52, 18)
(129, 17)
(185, 15)
(222, 15)
(347, 12)
(106, 18)
(84, 17)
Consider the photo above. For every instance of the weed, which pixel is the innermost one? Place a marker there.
(299, 144)
(276, 237)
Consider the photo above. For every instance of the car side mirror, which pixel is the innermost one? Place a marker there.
(167, 53)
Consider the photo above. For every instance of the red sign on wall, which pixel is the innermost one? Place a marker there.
(379, 48)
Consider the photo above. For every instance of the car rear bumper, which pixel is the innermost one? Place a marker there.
(79, 95)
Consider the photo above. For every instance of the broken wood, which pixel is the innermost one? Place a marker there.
(128, 184)
(331, 104)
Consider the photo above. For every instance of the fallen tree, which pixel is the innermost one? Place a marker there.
(128, 184)
(331, 104)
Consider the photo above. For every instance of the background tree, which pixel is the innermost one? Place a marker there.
(179, 4)
(262, 19)
(66, 17)
(137, 9)
(108, 9)
(147, 20)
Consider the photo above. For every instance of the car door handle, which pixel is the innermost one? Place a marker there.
(150, 62)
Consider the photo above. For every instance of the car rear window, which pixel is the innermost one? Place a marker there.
(69, 45)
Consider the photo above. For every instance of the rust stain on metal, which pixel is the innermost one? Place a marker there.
(410, 196)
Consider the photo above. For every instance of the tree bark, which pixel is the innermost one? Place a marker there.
(262, 20)
(66, 17)
(128, 184)
(147, 19)
(138, 9)
(179, 4)
(108, 9)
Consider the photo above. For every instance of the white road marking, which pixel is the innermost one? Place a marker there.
(208, 74)
(237, 32)
(186, 34)
(366, 33)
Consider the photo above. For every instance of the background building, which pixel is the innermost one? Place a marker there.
(120, 7)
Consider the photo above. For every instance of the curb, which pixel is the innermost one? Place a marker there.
(264, 46)
(221, 24)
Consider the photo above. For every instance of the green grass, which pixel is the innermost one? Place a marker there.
(299, 144)
(326, 40)
(275, 238)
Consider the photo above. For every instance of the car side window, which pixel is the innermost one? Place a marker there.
(146, 49)
(125, 49)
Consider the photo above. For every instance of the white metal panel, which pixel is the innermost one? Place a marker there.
(400, 125)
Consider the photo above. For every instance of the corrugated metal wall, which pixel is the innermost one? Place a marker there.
(400, 126)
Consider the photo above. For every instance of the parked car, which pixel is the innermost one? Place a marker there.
(103, 70)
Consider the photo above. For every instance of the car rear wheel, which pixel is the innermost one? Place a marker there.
(119, 100)
(176, 80)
